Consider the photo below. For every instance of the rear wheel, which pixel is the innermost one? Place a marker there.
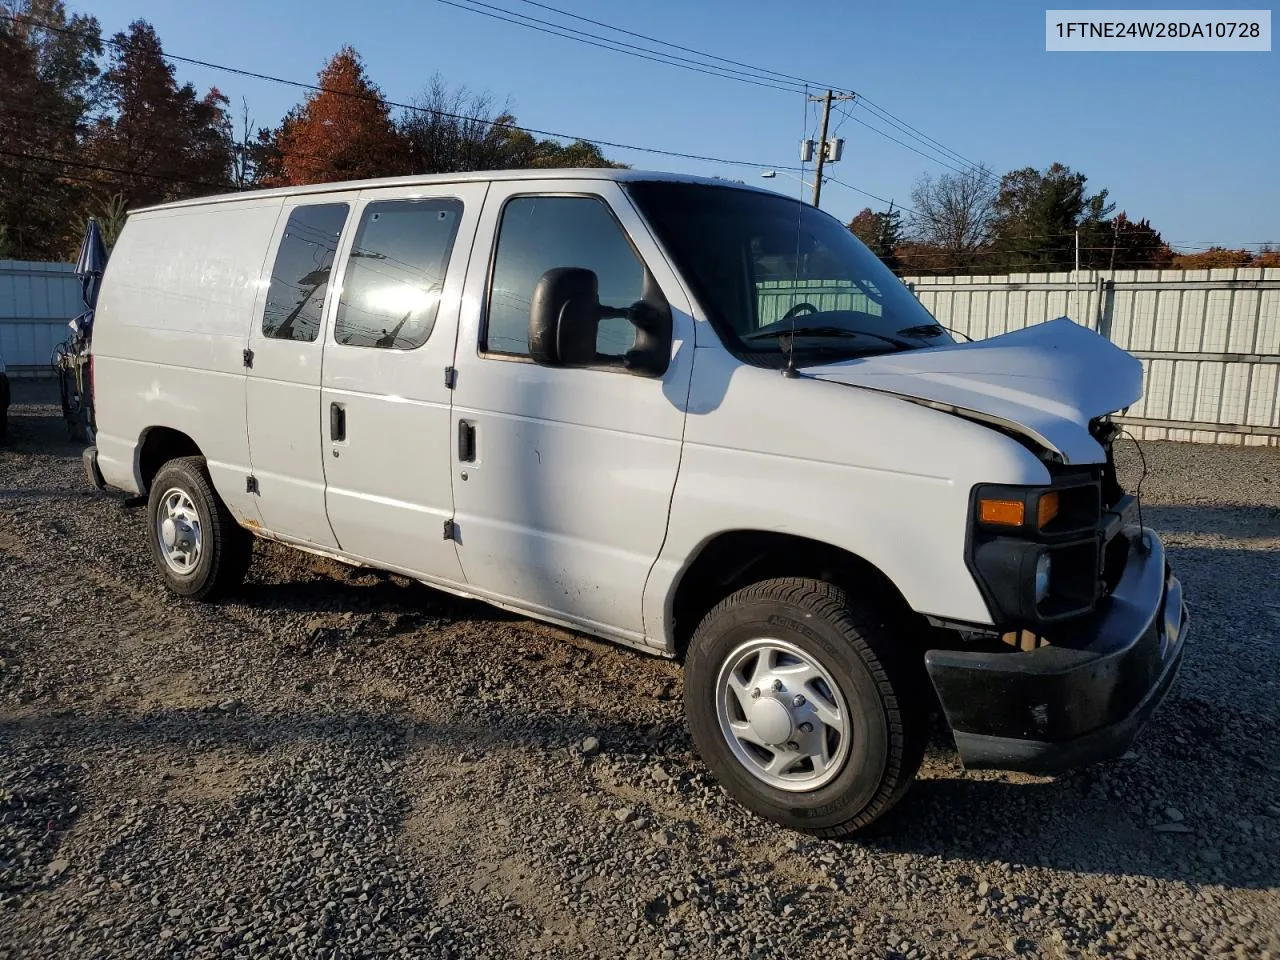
(200, 549)
(802, 706)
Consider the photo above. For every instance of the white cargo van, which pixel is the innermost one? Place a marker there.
(689, 416)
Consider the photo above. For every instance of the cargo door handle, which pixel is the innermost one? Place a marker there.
(337, 422)
(466, 441)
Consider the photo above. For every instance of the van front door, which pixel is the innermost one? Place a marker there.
(563, 477)
(384, 413)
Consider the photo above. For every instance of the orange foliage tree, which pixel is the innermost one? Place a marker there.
(344, 131)
(1216, 258)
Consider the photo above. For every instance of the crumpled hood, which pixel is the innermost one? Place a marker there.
(1046, 382)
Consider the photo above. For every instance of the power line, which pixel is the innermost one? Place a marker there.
(867, 193)
(668, 43)
(980, 172)
(756, 77)
(617, 46)
(907, 128)
(882, 113)
(109, 169)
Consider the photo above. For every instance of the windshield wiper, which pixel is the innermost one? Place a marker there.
(931, 330)
(828, 332)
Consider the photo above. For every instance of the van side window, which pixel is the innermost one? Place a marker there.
(395, 273)
(300, 277)
(541, 233)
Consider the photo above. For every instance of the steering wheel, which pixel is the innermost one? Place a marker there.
(798, 309)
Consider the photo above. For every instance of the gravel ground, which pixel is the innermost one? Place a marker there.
(342, 764)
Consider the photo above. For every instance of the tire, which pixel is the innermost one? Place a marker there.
(198, 567)
(868, 768)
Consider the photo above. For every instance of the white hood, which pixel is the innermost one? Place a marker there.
(1046, 382)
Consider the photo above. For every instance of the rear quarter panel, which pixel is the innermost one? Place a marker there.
(171, 326)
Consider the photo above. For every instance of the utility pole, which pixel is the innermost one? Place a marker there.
(1077, 271)
(823, 147)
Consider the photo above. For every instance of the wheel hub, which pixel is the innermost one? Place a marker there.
(771, 720)
(178, 530)
(782, 715)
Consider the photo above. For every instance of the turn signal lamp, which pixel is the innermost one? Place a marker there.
(1009, 513)
(1047, 509)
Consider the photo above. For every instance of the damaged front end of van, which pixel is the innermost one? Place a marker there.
(1088, 619)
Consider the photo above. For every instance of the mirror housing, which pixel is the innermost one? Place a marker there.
(564, 321)
(564, 315)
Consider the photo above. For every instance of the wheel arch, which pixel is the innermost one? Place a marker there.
(733, 559)
(157, 446)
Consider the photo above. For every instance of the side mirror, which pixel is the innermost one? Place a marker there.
(564, 322)
(564, 316)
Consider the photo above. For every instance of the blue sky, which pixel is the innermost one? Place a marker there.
(1190, 140)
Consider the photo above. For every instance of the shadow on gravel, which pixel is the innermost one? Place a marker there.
(1223, 519)
(376, 592)
(1057, 826)
(57, 493)
(43, 435)
(190, 731)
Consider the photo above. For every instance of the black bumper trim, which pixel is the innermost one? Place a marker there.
(986, 752)
(1081, 700)
(89, 459)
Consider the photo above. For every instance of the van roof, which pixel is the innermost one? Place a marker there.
(577, 173)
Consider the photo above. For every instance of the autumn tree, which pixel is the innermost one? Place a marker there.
(344, 131)
(1215, 258)
(881, 232)
(46, 88)
(157, 141)
(952, 215)
(917, 259)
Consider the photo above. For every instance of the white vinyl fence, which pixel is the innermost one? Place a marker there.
(37, 301)
(1209, 340)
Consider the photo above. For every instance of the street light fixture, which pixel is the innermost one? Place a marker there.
(770, 174)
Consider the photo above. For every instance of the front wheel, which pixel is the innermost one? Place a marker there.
(802, 706)
(200, 549)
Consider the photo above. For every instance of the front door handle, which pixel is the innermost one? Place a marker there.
(337, 422)
(466, 441)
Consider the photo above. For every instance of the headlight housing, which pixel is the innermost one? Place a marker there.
(1035, 551)
(1044, 566)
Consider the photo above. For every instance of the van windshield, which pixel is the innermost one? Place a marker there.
(773, 273)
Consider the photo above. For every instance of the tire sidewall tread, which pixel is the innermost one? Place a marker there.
(226, 548)
(855, 646)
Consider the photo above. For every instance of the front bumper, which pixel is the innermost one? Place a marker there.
(1085, 697)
